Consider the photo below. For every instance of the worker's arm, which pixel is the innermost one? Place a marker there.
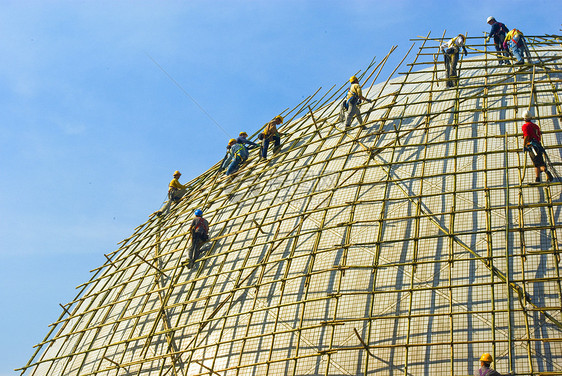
(365, 99)
(360, 94)
(225, 161)
(494, 30)
(246, 141)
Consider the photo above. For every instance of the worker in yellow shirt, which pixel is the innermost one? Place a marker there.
(176, 191)
(352, 101)
(451, 50)
(517, 46)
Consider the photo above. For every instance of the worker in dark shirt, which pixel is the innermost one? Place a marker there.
(244, 141)
(498, 33)
(199, 234)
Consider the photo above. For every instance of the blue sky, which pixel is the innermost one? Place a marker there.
(92, 128)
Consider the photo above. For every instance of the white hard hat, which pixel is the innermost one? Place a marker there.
(526, 115)
(490, 19)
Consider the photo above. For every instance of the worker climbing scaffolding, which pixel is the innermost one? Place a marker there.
(351, 103)
(236, 155)
(515, 41)
(532, 144)
(199, 230)
(451, 50)
(271, 134)
(498, 33)
(176, 191)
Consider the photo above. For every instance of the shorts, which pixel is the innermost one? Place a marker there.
(537, 159)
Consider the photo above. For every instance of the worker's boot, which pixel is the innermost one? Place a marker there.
(538, 179)
(548, 176)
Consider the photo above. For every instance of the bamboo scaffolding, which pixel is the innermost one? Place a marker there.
(298, 243)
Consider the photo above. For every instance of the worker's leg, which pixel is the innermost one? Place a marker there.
(454, 62)
(359, 118)
(507, 55)
(447, 61)
(233, 167)
(541, 167)
(264, 147)
(165, 209)
(538, 161)
(499, 52)
(498, 43)
(341, 115)
(515, 51)
(195, 244)
(177, 195)
(537, 174)
(173, 197)
(351, 113)
(277, 143)
(525, 49)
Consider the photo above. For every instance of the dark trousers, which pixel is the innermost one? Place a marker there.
(451, 60)
(498, 43)
(197, 240)
(277, 142)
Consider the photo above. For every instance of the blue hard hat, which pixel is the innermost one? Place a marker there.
(198, 213)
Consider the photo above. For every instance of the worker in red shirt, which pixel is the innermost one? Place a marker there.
(532, 144)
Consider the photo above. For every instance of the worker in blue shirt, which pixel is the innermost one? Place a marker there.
(498, 32)
(242, 140)
(235, 156)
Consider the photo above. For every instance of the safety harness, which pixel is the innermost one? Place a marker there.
(239, 151)
(200, 223)
(354, 99)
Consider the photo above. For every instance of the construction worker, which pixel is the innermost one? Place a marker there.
(485, 370)
(352, 102)
(176, 191)
(242, 140)
(517, 44)
(236, 155)
(451, 50)
(199, 230)
(532, 144)
(270, 133)
(498, 32)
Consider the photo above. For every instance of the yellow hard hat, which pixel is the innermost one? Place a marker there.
(279, 117)
(487, 358)
(243, 134)
(232, 141)
(352, 79)
(176, 173)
